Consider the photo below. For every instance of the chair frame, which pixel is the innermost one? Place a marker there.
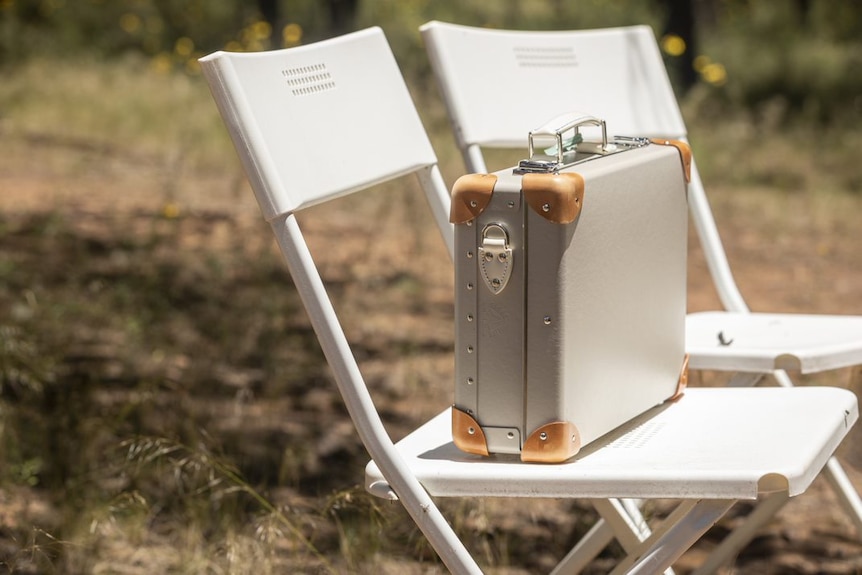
(280, 209)
(472, 137)
(259, 121)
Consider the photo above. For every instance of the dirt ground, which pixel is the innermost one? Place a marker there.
(790, 252)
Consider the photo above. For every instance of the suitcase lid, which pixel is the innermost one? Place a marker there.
(554, 195)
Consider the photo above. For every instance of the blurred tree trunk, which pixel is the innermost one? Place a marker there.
(342, 16)
(269, 12)
(680, 22)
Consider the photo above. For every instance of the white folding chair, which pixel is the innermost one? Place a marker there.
(499, 84)
(285, 111)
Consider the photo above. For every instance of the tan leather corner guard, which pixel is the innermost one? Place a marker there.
(552, 443)
(467, 434)
(684, 153)
(683, 380)
(470, 196)
(556, 197)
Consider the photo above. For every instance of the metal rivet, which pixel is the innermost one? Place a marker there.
(470, 381)
(510, 435)
(471, 430)
(469, 286)
(488, 256)
(543, 436)
(469, 349)
(547, 320)
(470, 224)
(469, 317)
(503, 257)
(473, 203)
(496, 282)
(511, 204)
(546, 207)
(469, 255)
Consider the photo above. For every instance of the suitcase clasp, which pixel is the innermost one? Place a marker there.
(495, 257)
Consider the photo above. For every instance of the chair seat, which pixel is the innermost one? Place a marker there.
(714, 443)
(762, 342)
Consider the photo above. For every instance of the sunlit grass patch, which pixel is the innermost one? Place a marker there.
(123, 105)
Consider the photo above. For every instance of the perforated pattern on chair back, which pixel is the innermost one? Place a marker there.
(357, 122)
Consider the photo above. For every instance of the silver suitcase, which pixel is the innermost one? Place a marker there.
(570, 282)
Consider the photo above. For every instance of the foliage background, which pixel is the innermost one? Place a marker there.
(805, 52)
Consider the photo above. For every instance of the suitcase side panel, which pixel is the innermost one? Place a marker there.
(545, 324)
(489, 358)
(466, 322)
(624, 275)
(552, 433)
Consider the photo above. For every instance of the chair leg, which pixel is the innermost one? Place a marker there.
(586, 549)
(744, 379)
(731, 545)
(627, 523)
(360, 405)
(682, 528)
(835, 474)
(847, 494)
(632, 507)
(628, 531)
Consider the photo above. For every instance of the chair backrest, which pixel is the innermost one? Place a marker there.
(310, 124)
(319, 121)
(500, 84)
(503, 87)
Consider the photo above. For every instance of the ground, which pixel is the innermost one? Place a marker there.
(794, 252)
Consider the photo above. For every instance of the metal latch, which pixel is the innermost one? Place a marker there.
(495, 257)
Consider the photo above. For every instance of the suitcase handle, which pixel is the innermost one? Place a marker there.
(562, 124)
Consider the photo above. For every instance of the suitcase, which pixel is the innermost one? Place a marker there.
(570, 282)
